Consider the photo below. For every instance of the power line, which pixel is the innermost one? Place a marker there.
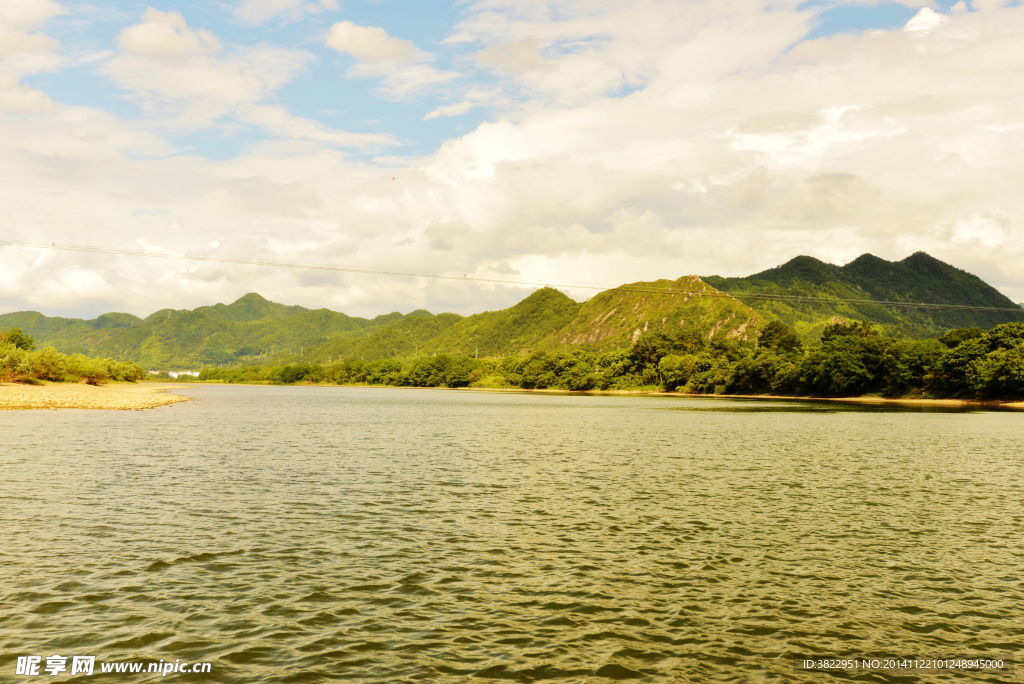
(480, 279)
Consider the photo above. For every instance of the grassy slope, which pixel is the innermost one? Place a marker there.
(616, 318)
(405, 336)
(516, 330)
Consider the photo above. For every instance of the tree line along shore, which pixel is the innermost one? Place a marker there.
(851, 359)
(21, 362)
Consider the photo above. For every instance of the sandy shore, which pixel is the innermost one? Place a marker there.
(1018, 405)
(115, 396)
(865, 400)
(775, 397)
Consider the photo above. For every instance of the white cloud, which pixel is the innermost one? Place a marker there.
(186, 77)
(457, 109)
(255, 12)
(926, 20)
(989, 5)
(401, 80)
(25, 51)
(279, 121)
(649, 138)
(402, 68)
(166, 35)
(369, 43)
(28, 14)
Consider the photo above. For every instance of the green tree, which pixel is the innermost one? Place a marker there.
(287, 375)
(650, 348)
(537, 372)
(998, 375)
(18, 339)
(842, 327)
(839, 368)
(780, 337)
(756, 373)
(906, 366)
(1005, 336)
(954, 337)
(576, 371)
(676, 369)
(988, 366)
(710, 375)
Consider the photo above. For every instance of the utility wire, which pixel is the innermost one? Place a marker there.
(480, 279)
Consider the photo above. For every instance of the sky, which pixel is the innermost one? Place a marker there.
(593, 142)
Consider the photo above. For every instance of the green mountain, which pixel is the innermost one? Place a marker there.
(616, 318)
(254, 330)
(918, 278)
(804, 292)
(247, 330)
(548, 319)
(402, 336)
(518, 329)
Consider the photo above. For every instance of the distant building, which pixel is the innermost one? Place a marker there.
(178, 374)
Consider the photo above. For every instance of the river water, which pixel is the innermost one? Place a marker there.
(289, 534)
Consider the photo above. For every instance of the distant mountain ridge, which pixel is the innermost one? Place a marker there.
(917, 278)
(548, 319)
(255, 330)
(244, 331)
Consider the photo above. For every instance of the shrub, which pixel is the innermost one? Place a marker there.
(90, 371)
(15, 363)
(49, 364)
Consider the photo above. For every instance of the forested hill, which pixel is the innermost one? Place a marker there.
(246, 331)
(686, 307)
(253, 330)
(918, 278)
(549, 320)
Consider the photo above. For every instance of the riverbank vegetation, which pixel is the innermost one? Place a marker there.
(21, 362)
(852, 358)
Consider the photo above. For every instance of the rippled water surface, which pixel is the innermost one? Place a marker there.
(315, 534)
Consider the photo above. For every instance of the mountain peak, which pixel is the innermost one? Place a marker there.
(868, 258)
(923, 259)
(115, 320)
(804, 260)
(544, 297)
(801, 267)
(871, 267)
(251, 307)
(419, 313)
(251, 298)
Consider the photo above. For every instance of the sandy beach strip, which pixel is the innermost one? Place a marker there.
(65, 395)
(911, 401)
